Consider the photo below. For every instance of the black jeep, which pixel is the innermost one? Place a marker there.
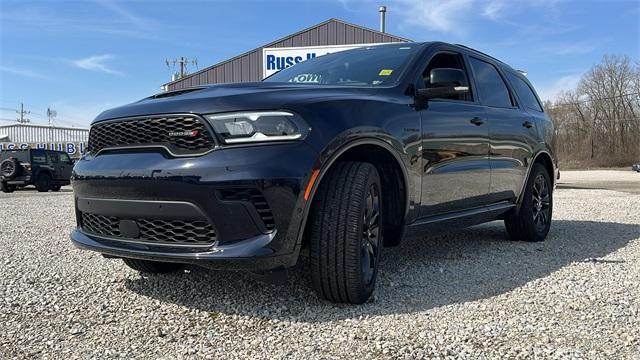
(46, 169)
(334, 157)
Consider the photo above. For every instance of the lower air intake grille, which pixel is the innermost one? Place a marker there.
(180, 134)
(158, 231)
(255, 197)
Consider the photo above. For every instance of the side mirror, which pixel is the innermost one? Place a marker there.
(445, 82)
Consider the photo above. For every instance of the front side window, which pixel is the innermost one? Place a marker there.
(367, 66)
(492, 89)
(38, 157)
(525, 93)
(447, 60)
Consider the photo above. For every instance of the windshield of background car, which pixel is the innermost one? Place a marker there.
(366, 66)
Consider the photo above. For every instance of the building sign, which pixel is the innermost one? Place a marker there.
(276, 59)
(72, 148)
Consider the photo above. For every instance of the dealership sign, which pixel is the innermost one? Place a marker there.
(71, 148)
(276, 59)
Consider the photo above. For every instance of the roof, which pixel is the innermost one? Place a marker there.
(42, 126)
(287, 41)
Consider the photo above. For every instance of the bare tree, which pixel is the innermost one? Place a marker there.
(598, 123)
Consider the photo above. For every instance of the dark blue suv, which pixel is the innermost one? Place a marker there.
(332, 158)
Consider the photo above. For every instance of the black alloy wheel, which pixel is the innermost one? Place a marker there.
(540, 202)
(532, 221)
(370, 235)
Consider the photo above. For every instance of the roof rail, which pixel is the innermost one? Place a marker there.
(481, 53)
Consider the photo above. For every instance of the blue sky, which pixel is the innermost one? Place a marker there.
(81, 57)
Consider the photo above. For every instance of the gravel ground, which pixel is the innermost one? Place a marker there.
(466, 294)
(619, 180)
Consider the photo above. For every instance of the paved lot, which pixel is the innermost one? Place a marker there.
(467, 294)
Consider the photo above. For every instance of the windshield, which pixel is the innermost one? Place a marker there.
(366, 66)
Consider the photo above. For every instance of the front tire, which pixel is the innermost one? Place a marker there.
(533, 221)
(152, 267)
(43, 183)
(346, 233)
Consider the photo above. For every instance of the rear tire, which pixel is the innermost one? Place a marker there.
(43, 183)
(152, 267)
(346, 233)
(533, 221)
(56, 188)
(6, 188)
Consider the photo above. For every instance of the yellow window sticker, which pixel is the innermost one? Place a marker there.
(385, 72)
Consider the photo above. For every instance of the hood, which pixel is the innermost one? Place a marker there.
(233, 97)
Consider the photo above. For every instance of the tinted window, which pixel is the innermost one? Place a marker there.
(39, 157)
(64, 158)
(451, 61)
(492, 89)
(366, 66)
(524, 91)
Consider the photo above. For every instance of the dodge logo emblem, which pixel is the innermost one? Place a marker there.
(190, 133)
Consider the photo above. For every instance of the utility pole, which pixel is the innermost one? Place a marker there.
(183, 62)
(22, 112)
(51, 114)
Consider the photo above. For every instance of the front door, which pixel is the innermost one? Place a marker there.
(455, 147)
(64, 166)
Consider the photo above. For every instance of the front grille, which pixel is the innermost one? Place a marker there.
(158, 231)
(153, 131)
(255, 197)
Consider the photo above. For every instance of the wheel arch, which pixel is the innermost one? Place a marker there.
(544, 158)
(355, 150)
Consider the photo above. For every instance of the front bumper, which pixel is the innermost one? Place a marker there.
(249, 254)
(151, 185)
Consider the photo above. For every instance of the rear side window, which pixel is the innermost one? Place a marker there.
(492, 89)
(525, 93)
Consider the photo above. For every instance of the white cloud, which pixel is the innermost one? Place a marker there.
(22, 72)
(96, 63)
(493, 9)
(576, 49)
(436, 15)
(456, 16)
(552, 90)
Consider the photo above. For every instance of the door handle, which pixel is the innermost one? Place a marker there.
(528, 124)
(477, 121)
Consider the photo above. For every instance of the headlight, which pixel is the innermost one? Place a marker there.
(258, 126)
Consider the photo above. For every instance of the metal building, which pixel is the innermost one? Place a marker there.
(250, 66)
(24, 135)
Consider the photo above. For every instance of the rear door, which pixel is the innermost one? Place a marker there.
(455, 146)
(512, 131)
